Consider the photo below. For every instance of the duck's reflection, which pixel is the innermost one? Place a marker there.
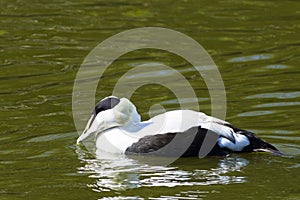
(119, 172)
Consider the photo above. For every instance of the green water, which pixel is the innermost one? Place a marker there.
(255, 44)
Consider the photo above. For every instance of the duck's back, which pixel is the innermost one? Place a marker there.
(181, 120)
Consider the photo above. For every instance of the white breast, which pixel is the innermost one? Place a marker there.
(114, 140)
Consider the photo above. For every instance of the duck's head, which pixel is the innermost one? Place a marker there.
(108, 113)
(258, 145)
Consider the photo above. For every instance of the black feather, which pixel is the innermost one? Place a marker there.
(162, 144)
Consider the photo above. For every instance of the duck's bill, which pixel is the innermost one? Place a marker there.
(266, 147)
(87, 132)
(268, 150)
(81, 138)
(84, 136)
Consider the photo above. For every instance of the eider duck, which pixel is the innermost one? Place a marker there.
(117, 128)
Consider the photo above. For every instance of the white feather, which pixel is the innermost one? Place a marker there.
(241, 141)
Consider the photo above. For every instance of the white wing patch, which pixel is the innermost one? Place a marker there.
(220, 129)
(241, 141)
(182, 120)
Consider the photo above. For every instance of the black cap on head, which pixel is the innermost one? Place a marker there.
(106, 104)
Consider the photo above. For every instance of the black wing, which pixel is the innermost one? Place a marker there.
(179, 144)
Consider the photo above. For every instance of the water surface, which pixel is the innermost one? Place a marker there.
(42, 44)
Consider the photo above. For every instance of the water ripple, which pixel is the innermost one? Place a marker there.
(276, 66)
(250, 58)
(278, 95)
(256, 113)
(277, 104)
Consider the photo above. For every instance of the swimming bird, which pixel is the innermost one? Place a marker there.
(116, 127)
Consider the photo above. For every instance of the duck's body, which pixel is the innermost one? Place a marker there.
(118, 129)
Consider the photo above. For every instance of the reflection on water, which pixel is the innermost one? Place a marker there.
(251, 58)
(119, 172)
